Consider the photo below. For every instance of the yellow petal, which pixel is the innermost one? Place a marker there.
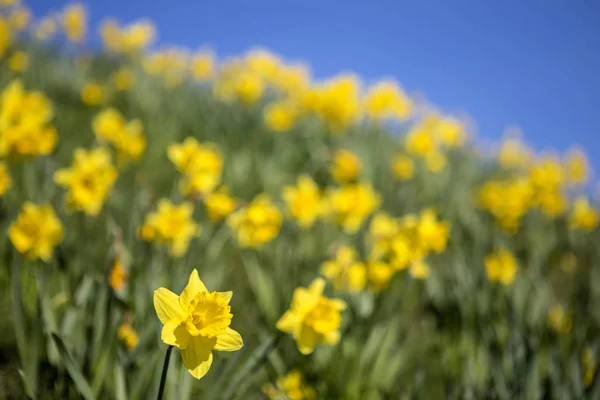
(193, 287)
(166, 304)
(229, 341)
(197, 357)
(226, 295)
(332, 338)
(317, 286)
(306, 340)
(175, 334)
(287, 322)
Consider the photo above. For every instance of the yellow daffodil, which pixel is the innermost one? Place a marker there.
(584, 216)
(45, 29)
(36, 231)
(197, 323)
(345, 166)
(74, 22)
(128, 336)
(403, 167)
(219, 204)
(5, 180)
(303, 201)
(118, 275)
(202, 65)
(501, 267)
(345, 271)
(18, 62)
(6, 35)
(257, 223)
(513, 153)
(577, 167)
(20, 18)
(123, 79)
(351, 204)
(312, 317)
(387, 100)
(419, 269)
(93, 94)
(451, 132)
(281, 116)
(379, 275)
(291, 386)
(171, 225)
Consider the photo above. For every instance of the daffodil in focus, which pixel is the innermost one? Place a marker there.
(171, 225)
(584, 216)
(89, 180)
(219, 204)
(292, 387)
(197, 322)
(18, 62)
(345, 166)
(93, 94)
(74, 21)
(257, 223)
(25, 128)
(303, 201)
(5, 180)
(36, 231)
(312, 317)
(501, 267)
(351, 204)
(345, 271)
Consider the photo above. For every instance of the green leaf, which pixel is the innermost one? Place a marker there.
(82, 385)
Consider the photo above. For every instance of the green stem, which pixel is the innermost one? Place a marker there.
(163, 376)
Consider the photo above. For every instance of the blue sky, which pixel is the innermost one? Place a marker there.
(532, 63)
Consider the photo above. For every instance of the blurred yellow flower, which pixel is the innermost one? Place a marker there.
(128, 336)
(18, 61)
(303, 201)
(123, 79)
(131, 142)
(281, 116)
(45, 29)
(584, 216)
(20, 18)
(403, 167)
(435, 161)
(513, 153)
(93, 94)
(89, 180)
(203, 158)
(24, 122)
(345, 271)
(379, 275)
(338, 103)
(547, 174)
(507, 200)
(292, 387)
(559, 319)
(451, 132)
(236, 81)
(74, 21)
(219, 204)
(419, 269)
(577, 167)
(36, 231)
(345, 166)
(5, 180)
(202, 65)
(118, 275)
(351, 204)
(108, 125)
(383, 229)
(588, 365)
(501, 267)
(312, 317)
(257, 223)
(171, 225)
(387, 100)
(137, 36)
(6, 35)
(432, 234)
(197, 323)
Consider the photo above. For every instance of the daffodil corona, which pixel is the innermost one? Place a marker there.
(197, 323)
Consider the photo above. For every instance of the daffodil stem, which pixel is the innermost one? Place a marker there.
(163, 376)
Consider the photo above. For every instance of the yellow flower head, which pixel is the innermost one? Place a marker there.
(291, 80)
(219, 204)
(435, 161)
(507, 200)
(421, 140)
(403, 167)
(257, 223)
(346, 166)
(312, 317)
(303, 201)
(93, 94)
(559, 319)
(513, 153)
(20, 18)
(547, 174)
(24, 122)
(584, 216)
(45, 28)
(379, 275)
(36, 231)
(338, 102)
(74, 22)
(5, 180)
(201, 163)
(202, 65)
(351, 204)
(108, 125)
(6, 35)
(131, 142)
(237, 82)
(89, 180)
(123, 79)
(577, 167)
(196, 322)
(281, 116)
(419, 269)
(345, 271)
(171, 225)
(387, 100)
(291, 386)
(451, 132)
(432, 234)
(19, 61)
(128, 336)
(118, 275)
(137, 36)
(382, 232)
(501, 267)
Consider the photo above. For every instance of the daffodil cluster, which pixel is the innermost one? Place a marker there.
(256, 223)
(127, 137)
(201, 165)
